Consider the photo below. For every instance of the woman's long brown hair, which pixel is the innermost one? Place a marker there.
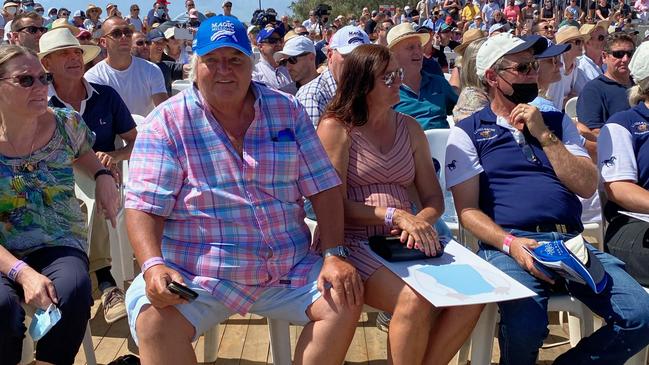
(361, 68)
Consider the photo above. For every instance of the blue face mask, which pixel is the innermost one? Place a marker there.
(43, 321)
(159, 13)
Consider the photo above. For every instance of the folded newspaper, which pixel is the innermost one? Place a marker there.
(571, 260)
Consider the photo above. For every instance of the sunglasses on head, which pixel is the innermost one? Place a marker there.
(621, 54)
(524, 68)
(390, 77)
(142, 42)
(32, 29)
(28, 80)
(119, 33)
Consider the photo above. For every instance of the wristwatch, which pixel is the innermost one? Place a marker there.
(549, 139)
(340, 251)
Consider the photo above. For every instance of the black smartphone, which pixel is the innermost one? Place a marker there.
(182, 291)
(391, 249)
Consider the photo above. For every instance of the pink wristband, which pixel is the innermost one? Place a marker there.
(151, 262)
(389, 214)
(15, 270)
(507, 242)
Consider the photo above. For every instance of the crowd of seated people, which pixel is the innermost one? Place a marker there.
(281, 119)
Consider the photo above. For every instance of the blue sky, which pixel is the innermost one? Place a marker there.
(243, 9)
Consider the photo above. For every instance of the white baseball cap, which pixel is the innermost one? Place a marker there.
(295, 47)
(639, 66)
(347, 38)
(502, 44)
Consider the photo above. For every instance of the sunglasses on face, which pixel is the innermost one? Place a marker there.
(601, 37)
(85, 37)
(140, 43)
(390, 77)
(576, 42)
(135, 9)
(548, 27)
(27, 81)
(620, 54)
(65, 15)
(32, 29)
(272, 40)
(524, 68)
(303, 33)
(119, 33)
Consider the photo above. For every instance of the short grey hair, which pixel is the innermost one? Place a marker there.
(498, 65)
(193, 64)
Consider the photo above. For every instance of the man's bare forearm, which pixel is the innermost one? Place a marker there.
(329, 210)
(629, 196)
(579, 174)
(482, 227)
(145, 234)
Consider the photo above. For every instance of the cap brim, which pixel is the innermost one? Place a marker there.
(596, 270)
(211, 47)
(553, 51)
(424, 38)
(538, 45)
(284, 54)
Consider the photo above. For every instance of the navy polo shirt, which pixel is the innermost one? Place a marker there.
(104, 113)
(623, 149)
(515, 191)
(601, 98)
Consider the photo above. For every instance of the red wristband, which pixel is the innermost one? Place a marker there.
(507, 242)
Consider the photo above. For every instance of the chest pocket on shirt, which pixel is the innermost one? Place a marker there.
(279, 170)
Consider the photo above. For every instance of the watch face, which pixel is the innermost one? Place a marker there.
(344, 251)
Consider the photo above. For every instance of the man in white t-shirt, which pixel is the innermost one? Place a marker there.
(140, 83)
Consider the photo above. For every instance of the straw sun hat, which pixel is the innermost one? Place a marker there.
(61, 38)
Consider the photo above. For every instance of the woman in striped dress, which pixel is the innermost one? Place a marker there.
(380, 156)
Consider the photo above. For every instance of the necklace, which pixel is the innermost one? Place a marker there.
(27, 165)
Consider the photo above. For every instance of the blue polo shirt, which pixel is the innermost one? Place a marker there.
(601, 98)
(434, 102)
(103, 111)
(623, 150)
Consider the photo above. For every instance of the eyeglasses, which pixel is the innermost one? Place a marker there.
(390, 77)
(292, 60)
(141, 42)
(32, 29)
(303, 33)
(27, 81)
(620, 54)
(524, 68)
(65, 15)
(119, 33)
(135, 9)
(525, 148)
(576, 42)
(601, 37)
(548, 27)
(272, 40)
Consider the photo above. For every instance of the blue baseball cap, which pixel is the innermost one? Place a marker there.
(266, 33)
(221, 31)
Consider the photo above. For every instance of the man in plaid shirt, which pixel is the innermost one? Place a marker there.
(214, 202)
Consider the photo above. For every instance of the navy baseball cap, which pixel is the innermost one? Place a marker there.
(552, 50)
(266, 33)
(221, 31)
(155, 35)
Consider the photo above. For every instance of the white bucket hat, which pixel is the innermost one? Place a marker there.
(61, 38)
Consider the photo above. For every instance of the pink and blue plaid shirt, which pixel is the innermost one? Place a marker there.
(234, 225)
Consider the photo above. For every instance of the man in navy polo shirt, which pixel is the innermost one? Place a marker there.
(606, 94)
(515, 174)
(106, 115)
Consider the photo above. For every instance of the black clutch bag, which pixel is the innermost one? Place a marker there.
(391, 249)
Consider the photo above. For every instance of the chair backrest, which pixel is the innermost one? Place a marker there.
(571, 107)
(139, 120)
(437, 144)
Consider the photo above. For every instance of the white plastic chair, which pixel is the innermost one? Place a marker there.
(571, 107)
(641, 357)
(580, 322)
(120, 248)
(27, 356)
(139, 120)
(179, 85)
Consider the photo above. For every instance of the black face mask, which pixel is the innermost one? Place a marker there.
(523, 93)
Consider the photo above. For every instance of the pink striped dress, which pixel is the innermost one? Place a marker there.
(377, 179)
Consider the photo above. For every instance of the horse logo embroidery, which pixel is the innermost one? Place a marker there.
(451, 166)
(610, 162)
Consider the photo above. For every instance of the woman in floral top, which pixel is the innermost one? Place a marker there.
(43, 244)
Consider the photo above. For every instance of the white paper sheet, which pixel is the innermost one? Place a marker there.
(459, 277)
(640, 216)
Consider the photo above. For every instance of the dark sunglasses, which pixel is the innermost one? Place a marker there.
(621, 54)
(526, 149)
(65, 15)
(119, 33)
(524, 68)
(32, 29)
(141, 42)
(135, 9)
(28, 80)
(292, 60)
(576, 42)
(601, 37)
(390, 77)
(272, 40)
(548, 27)
(303, 33)
(85, 37)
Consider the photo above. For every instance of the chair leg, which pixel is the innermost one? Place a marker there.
(280, 341)
(88, 347)
(482, 338)
(640, 358)
(211, 345)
